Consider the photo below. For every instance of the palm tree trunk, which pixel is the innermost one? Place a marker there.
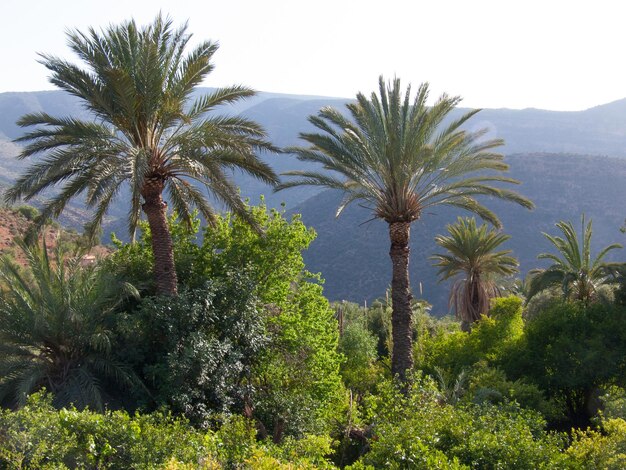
(162, 247)
(401, 315)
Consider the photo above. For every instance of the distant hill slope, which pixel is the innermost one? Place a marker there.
(13, 226)
(596, 131)
(561, 179)
(352, 254)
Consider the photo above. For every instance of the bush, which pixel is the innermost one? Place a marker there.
(37, 436)
(418, 431)
(490, 385)
(605, 449)
(358, 345)
(292, 385)
(29, 212)
(196, 351)
(570, 351)
(489, 340)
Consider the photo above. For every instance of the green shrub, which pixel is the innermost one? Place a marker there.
(489, 340)
(605, 449)
(196, 351)
(358, 345)
(29, 212)
(419, 431)
(571, 351)
(292, 385)
(37, 436)
(490, 384)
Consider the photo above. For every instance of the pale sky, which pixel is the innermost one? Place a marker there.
(550, 54)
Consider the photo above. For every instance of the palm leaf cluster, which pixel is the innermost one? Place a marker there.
(402, 157)
(573, 268)
(148, 127)
(472, 257)
(55, 330)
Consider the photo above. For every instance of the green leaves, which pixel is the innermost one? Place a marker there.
(137, 82)
(573, 269)
(396, 155)
(55, 330)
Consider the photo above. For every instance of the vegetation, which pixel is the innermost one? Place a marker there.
(149, 132)
(471, 253)
(400, 159)
(55, 330)
(249, 366)
(573, 268)
(251, 332)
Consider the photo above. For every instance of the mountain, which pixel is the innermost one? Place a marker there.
(596, 131)
(351, 251)
(353, 258)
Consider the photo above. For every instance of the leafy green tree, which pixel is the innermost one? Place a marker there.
(471, 253)
(291, 381)
(55, 330)
(149, 134)
(571, 350)
(573, 269)
(400, 158)
(196, 352)
(358, 345)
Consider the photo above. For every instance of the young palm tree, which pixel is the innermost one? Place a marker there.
(54, 330)
(573, 269)
(148, 133)
(398, 157)
(471, 253)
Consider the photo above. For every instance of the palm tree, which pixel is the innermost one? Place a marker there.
(399, 158)
(573, 268)
(471, 253)
(148, 133)
(55, 330)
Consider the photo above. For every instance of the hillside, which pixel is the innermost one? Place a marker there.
(597, 131)
(13, 226)
(541, 144)
(351, 252)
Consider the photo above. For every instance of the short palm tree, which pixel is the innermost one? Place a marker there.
(55, 330)
(573, 269)
(148, 133)
(471, 254)
(400, 159)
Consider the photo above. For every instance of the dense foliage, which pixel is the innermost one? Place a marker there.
(251, 333)
(56, 330)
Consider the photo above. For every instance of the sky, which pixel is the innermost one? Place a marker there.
(549, 54)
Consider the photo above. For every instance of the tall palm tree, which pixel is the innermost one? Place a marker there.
(471, 254)
(55, 330)
(148, 133)
(400, 159)
(573, 269)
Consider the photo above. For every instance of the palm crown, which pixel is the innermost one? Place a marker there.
(471, 252)
(148, 131)
(398, 157)
(573, 269)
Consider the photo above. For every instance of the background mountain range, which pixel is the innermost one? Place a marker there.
(568, 162)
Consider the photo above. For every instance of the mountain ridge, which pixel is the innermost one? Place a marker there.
(540, 147)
